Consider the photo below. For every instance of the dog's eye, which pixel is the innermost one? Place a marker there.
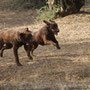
(54, 26)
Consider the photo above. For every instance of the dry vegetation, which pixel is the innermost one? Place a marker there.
(51, 69)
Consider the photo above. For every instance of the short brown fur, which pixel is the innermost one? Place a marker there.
(15, 39)
(44, 36)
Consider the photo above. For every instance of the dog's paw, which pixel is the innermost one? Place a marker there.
(19, 64)
(30, 58)
(1, 55)
(58, 47)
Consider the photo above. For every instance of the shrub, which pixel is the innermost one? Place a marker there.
(47, 14)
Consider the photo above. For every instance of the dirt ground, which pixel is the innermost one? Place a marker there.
(52, 69)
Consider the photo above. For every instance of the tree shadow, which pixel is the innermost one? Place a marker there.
(74, 13)
(73, 55)
(84, 12)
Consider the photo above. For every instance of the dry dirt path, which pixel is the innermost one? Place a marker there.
(52, 69)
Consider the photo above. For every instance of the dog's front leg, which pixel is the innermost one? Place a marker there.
(55, 41)
(15, 50)
(57, 46)
(48, 42)
(28, 49)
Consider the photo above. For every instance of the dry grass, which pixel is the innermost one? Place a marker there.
(51, 69)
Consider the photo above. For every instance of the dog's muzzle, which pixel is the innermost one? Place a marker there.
(55, 31)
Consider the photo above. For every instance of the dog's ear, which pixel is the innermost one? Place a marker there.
(46, 22)
(27, 30)
(51, 21)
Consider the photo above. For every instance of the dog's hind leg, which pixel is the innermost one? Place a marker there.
(5, 46)
(1, 46)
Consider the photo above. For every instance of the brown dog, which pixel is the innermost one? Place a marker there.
(45, 36)
(15, 39)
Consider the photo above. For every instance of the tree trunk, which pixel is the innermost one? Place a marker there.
(51, 4)
(66, 6)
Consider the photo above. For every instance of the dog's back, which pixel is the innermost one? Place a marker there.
(38, 35)
(10, 35)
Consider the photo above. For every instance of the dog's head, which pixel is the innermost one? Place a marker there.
(52, 26)
(25, 36)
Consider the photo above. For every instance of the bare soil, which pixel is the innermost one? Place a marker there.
(52, 69)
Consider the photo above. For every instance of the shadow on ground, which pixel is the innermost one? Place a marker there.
(51, 69)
